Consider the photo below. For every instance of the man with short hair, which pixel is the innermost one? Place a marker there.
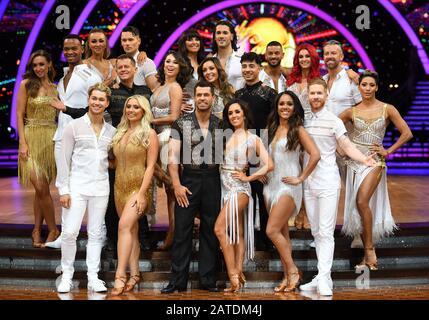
(126, 70)
(83, 185)
(224, 47)
(197, 189)
(260, 99)
(322, 187)
(343, 92)
(272, 75)
(146, 71)
(73, 91)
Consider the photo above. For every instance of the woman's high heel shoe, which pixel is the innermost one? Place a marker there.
(132, 282)
(373, 266)
(293, 281)
(282, 286)
(36, 239)
(242, 279)
(235, 284)
(53, 235)
(117, 291)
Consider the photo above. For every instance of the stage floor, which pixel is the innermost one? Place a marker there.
(409, 196)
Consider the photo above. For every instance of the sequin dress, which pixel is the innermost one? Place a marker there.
(286, 164)
(236, 159)
(302, 95)
(130, 169)
(365, 134)
(39, 130)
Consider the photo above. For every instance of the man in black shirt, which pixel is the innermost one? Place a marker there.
(260, 99)
(126, 70)
(197, 189)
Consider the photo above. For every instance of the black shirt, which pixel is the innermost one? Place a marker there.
(260, 99)
(197, 152)
(117, 101)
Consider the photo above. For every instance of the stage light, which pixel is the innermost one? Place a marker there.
(390, 85)
(396, 85)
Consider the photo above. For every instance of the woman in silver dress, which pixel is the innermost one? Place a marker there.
(233, 227)
(367, 208)
(283, 191)
(166, 103)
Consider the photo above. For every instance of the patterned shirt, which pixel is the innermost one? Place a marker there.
(196, 151)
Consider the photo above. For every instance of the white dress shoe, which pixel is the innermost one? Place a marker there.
(97, 285)
(324, 287)
(65, 285)
(56, 244)
(310, 286)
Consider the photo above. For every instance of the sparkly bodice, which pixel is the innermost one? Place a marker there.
(302, 95)
(130, 169)
(161, 106)
(368, 132)
(39, 111)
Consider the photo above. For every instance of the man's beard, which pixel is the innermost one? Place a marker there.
(274, 65)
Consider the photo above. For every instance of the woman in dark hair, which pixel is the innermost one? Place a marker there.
(233, 227)
(211, 70)
(166, 101)
(36, 128)
(191, 49)
(367, 209)
(96, 56)
(283, 191)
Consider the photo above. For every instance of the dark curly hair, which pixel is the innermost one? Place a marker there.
(185, 72)
(371, 74)
(295, 121)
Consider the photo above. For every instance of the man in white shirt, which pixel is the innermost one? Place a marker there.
(83, 184)
(225, 49)
(343, 92)
(322, 187)
(73, 91)
(272, 75)
(146, 71)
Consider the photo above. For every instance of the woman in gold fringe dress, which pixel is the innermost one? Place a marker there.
(36, 128)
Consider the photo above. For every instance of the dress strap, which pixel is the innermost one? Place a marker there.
(353, 113)
(384, 110)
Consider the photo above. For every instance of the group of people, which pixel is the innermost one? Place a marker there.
(239, 145)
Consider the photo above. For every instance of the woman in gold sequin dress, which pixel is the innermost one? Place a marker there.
(36, 128)
(135, 148)
(367, 208)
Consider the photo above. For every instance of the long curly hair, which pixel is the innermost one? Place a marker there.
(88, 51)
(33, 85)
(225, 88)
(187, 36)
(295, 121)
(185, 72)
(141, 135)
(296, 73)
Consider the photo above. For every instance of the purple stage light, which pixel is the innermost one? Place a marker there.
(125, 20)
(297, 4)
(47, 7)
(3, 6)
(408, 31)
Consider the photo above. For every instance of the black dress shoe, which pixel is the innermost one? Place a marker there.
(171, 288)
(210, 288)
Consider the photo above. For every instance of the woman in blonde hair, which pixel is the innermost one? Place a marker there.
(135, 148)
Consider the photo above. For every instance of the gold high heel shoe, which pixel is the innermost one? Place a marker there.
(53, 235)
(373, 266)
(36, 239)
(235, 284)
(282, 286)
(117, 291)
(132, 282)
(293, 281)
(242, 279)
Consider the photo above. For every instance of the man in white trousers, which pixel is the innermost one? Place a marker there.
(322, 187)
(83, 184)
